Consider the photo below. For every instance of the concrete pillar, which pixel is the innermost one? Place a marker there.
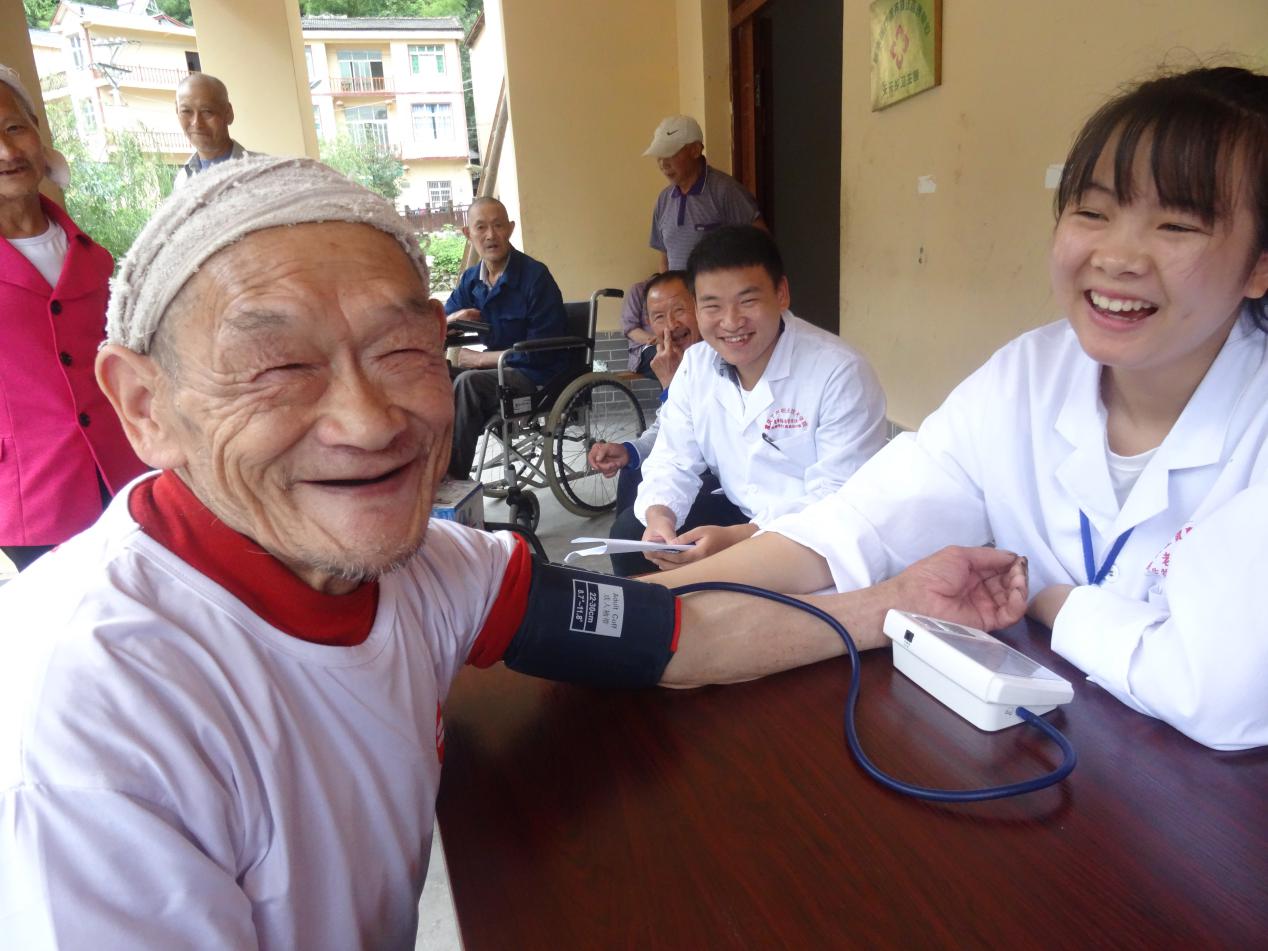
(255, 47)
(15, 51)
(704, 73)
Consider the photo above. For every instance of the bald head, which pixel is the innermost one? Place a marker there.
(205, 114)
(489, 229)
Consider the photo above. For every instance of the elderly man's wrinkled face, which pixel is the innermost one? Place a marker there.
(205, 114)
(489, 230)
(21, 151)
(309, 397)
(671, 307)
(683, 167)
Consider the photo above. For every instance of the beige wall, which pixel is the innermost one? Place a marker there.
(488, 69)
(704, 73)
(255, 46)
(588, 82)
(932, 284)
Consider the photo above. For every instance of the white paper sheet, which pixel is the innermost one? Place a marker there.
(618, 546)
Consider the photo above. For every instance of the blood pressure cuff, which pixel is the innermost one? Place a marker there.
(586, 628)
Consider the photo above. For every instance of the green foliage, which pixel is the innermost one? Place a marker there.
(177, 9)
(384, 8)
(39, 13)
(376, 169)
(444, 251)
(110, 200)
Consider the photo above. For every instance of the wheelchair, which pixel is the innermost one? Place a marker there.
(544, 440)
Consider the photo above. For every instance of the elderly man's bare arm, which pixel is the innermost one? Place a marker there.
(729, 637)
(770, 561)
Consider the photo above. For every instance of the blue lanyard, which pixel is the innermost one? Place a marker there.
(1094, 576)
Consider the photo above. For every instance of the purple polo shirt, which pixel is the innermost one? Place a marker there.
(681, 220)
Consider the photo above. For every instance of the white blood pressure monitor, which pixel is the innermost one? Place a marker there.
(978, 676)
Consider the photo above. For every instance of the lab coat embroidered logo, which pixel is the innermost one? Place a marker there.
(1161, 562)
(786, 419)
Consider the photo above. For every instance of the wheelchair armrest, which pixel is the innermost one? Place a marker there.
(552, 343)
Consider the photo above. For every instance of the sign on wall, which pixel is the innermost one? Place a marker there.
(906, 49)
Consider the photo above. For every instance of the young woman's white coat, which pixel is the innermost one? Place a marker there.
(1178, 629)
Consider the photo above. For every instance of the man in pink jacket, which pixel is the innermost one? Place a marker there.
(62, 451)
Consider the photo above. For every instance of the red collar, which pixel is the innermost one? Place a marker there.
(173, 516)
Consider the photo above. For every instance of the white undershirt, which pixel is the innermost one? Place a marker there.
(46, 252)
(1125, 470)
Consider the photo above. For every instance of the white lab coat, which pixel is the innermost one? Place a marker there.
(818, 401)
(1177, 630)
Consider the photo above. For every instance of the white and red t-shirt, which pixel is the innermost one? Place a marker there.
(198, 750)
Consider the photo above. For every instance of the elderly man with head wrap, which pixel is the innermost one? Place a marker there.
(62, 453)
(220, 707)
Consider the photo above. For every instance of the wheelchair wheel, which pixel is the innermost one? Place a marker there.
(594, 408)
(526, 511)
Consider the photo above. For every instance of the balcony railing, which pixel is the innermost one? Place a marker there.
(433, 217)
(153, 76)
(53, 82)
(166, 142)
(356, 84)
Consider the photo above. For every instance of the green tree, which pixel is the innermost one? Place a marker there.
(375, 168)
(39, 13)
(444, 253)
(384, 8)
(110, 200)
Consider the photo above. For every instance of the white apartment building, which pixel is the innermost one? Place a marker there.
(394, 83)
(119, 68)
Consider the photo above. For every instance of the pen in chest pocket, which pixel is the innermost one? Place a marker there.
(770, 442)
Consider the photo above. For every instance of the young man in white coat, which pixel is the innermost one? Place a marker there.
(781, 411)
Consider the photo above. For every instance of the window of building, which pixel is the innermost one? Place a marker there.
(87, 116)
(317, 122)
(192, 62)
(367, 125)
(360, 70)
(426, 58)
(308, 60)
(440, 196)
(77, 51)
(433, 121)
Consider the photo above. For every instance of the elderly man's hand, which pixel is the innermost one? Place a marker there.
(668, 358)
(608, 458)
(981, 587)
(467, 313)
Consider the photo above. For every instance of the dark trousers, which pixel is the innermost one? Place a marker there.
(23, 555)
(644, 367)
(475, 402)
(708, 509)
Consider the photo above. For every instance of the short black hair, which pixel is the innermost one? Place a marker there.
(734, 247)
(664, 277)
(1197, 125)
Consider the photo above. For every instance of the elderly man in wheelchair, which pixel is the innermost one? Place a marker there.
(506, 299)
(543, 439)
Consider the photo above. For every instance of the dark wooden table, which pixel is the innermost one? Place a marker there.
(734, 817)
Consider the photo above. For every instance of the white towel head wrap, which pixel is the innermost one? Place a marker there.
(221, 206)
(57, 171)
